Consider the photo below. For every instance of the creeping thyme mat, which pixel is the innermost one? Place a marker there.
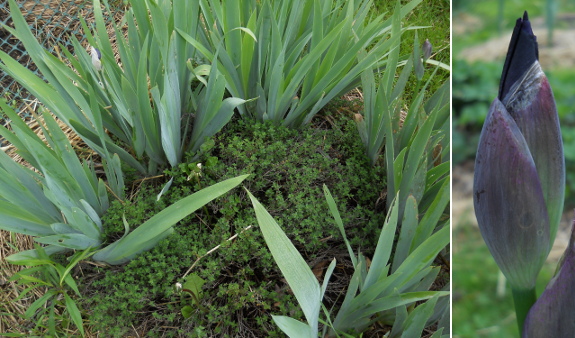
(243, 286)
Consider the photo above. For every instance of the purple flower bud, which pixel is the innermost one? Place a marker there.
(521, 54)
(427, 48)
(519, 168)
(553, 313)
(508, 199)
(96, 56)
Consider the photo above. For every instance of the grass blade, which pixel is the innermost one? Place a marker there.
(74, 312)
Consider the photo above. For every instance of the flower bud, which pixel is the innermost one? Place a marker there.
(519, 178)
(96, 56)
(553, 313)
(427, 48)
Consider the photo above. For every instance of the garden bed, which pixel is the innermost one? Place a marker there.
(219, 250)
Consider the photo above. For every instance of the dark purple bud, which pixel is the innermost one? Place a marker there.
(427, 48)
(533, 109)
(527, 96)
(553, 315)
(521, 54)
(508, 200)
(520, 170)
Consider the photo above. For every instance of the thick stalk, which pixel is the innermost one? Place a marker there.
(523, 300)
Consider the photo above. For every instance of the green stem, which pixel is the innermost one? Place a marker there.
(523, 300)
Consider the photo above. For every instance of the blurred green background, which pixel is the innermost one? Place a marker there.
(481, 33)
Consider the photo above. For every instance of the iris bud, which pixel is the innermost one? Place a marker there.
(519, 178)
(96, 56)
(427, 48)
(552, 314)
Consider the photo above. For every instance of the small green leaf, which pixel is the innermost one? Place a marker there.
(294, 328)
(187, 311)
(39, 303)
(51, 320)
(74, 312)
(211, 161)
(164, 189)
(338, 222)
(69, 280)
(193, 285)
(248, 31)
(327, 276)
(25, 279)
(24, 292)
(415, 322)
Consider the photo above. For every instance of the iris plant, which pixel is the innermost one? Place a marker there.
(519, 179)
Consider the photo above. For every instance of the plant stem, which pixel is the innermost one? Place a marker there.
(523, 299)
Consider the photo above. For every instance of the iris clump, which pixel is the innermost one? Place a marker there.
(519, 178)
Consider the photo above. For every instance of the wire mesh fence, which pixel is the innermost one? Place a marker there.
(53, 22)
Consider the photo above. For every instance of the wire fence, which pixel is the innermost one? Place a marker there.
(53, 22)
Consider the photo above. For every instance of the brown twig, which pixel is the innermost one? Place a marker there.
(214, 249)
